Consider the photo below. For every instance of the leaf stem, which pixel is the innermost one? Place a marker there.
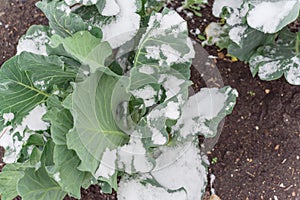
(33, 89)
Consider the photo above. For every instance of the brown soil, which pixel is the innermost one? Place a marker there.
(258, 153)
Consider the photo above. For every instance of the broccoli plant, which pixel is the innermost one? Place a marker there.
(257, 32)
(102, 93)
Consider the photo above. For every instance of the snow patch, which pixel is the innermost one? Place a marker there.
(213, 32)
(266, 70)
(131, 189)
(65, 9)
(111, 8)
(172, 110)
(34, 119)
(35, 43)
(8, 117)
(132, 158)
(56, 177)
(209, 102)
(9, 136)
(107, 165)
(172, 167)
(124, 27)
(172, 55)
(157, 137)
(171, 84)
(84, 2)
(268, 15)
(293, 74)
(236, 34)
(220, 4)
(146, 70)
(147, 94)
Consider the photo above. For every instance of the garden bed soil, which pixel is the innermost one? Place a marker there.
(258, 153)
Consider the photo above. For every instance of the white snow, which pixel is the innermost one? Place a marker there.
(41, 84)
(172, 55)
(111, 8)
(172, 110)
(257, 59)
(8, 117)
(167, 55)
(209, 103)
(170, 21)
(64, 8)
(236, 10)
(159, 25)
(171, 84)
(11, 143)
(107, 165)
(212, 180)
(124, 27)
(213, 32)
(56, 177)
(132, 158)
(179, 9)
(35, 43)
(34, 119)
(268, 15)
(157, 137)
(236, 34)
(200, 107)
(153, 52)
(266, 70)
(84, 2)
(9, 139)
(146, 69)
(293, 74)
(220, 4)
(181, 166)
(131, 189)
(147, 94)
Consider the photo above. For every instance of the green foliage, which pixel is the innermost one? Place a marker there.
(260, 38)
(194, 6)
(96, 119)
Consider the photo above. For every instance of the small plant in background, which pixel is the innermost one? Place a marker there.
(194, 6)
(102, 93)
(257, 32)
(214, 160)
(251, 93)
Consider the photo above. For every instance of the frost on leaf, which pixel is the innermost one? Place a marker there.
(232, 7)
(117, 19)
(62, 21)
(133, 158)
(13, 139)
(173, 164)
(35, 40)
(169, 179)
(157, 46)
(272, 16)
(111, 8)
(130, 189)
(236, 34)
(278, 59)
(125, 25)
(202, 109)
(84, 2)
(293, 74)
(148, 94)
